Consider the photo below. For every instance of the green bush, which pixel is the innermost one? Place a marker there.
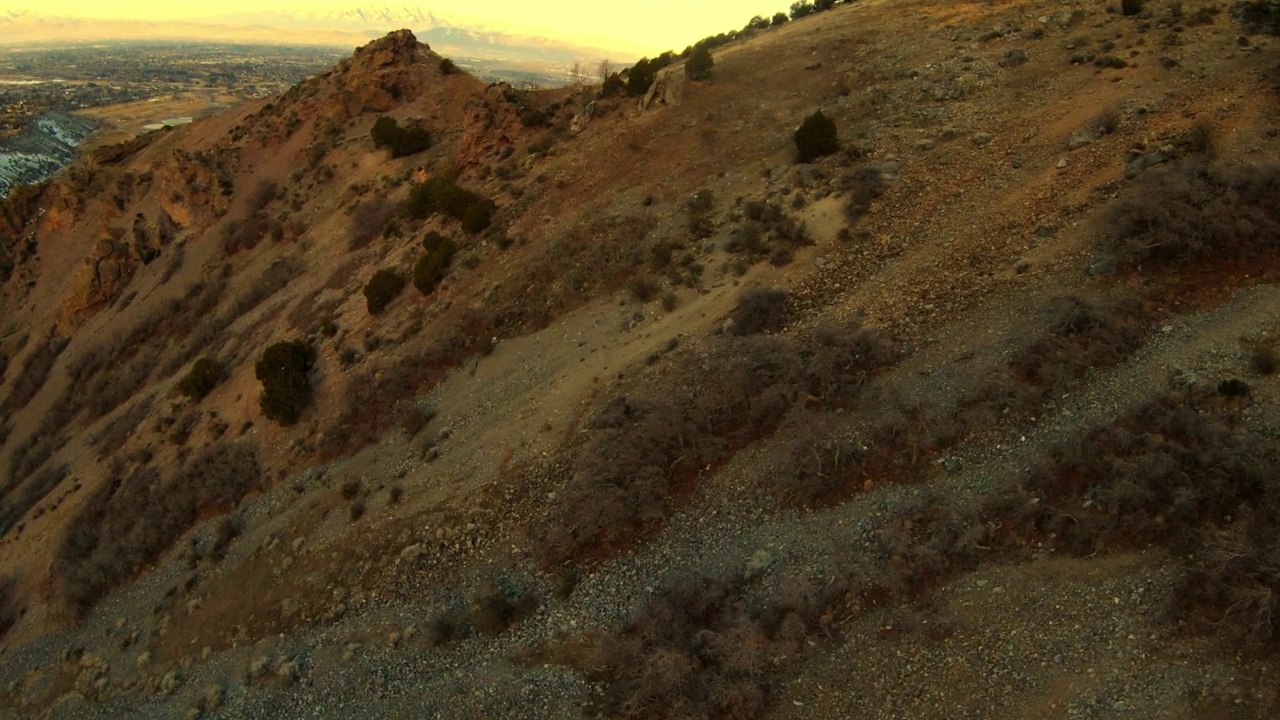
(441, 194)
(613, 85)
(403, 141)
(433, 264)
(1260, 15)
(816, 137)
(801, 8)
(698, 66)
(478, 216)
(382, 288)
(779, 19)
(201, 379)
(286, 386)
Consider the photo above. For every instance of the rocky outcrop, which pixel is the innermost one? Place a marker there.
(582, 118)
(665, 90)
(381, 75)
(103, 274)
(492, 129)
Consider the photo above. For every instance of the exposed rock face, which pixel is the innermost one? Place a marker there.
(103, 274)
(666, 90)
(583, 118)
(492, 127)
(378, 77)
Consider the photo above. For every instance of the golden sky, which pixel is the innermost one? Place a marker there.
(647, 27)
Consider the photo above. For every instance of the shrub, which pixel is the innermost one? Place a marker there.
(779, 19)
(478, 216)
(613, 85)
(699, 64)
(1130, 7)
(494, 609)
(863, 185)
(403, 141)
(8, 616)
(433, 264)
(801, 8)
(447, 66)
(201, 379)
(381, 289)
(133, 520)
(371, 219)
(441, 194)
(284, 370)
(1108, 122)
(643, 289)
(640, 77)
(816, 137)
(1190, 211)
(1261, 15)
(760, 311)
(1265, 360)
(34, 373)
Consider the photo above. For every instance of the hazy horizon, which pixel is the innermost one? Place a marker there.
(648, 28)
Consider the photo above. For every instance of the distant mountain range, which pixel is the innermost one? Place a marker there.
(340, 27)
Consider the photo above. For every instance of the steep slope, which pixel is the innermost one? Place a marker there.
(975, 416)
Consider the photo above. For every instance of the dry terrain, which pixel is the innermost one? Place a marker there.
(608, 407)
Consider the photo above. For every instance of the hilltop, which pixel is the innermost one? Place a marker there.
(406, 394)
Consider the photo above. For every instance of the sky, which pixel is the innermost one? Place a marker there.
(647, 27)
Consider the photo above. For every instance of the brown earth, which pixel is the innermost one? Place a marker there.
(460, 422)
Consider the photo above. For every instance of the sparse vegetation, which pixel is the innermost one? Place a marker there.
(699, 64)
(442, 195)
(34, 373)
(8, 613)
(372, 219)
(201, 379)
(382, 288)
(816, 137)
(644, 453)
(1264, 359)
(403, 141)
(1192, 212)
(132, 520)
(1130, 7)
(284, 370)
(433, 264)
(759, 311)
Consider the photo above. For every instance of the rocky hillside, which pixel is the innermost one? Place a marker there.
(406, 395)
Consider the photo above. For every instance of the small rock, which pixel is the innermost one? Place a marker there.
(981, 139)
(1102, 267)
(1062, 163)
(1021, 267)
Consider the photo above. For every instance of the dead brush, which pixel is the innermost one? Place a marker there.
(642, 455)
(1190, 212)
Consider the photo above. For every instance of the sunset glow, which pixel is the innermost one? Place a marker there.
(643, 28)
